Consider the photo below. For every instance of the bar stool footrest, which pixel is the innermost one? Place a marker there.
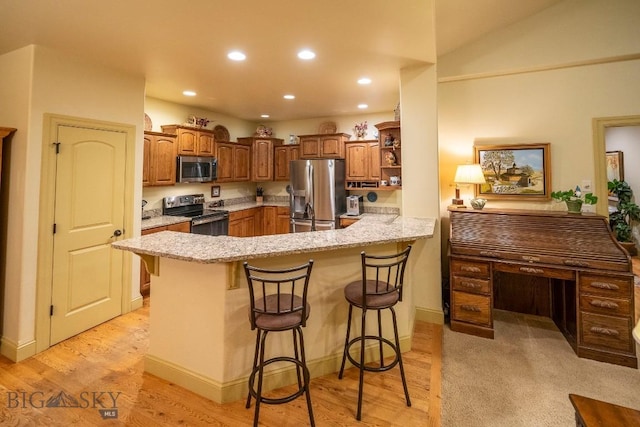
(285, 399)
(381, 368)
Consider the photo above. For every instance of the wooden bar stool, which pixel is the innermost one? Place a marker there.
(380, 288)
(278, 303)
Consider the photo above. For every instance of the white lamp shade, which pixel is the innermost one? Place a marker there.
(469, 174)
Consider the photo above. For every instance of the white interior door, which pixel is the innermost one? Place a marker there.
(89, 209)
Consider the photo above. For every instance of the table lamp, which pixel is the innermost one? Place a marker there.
(467, 174)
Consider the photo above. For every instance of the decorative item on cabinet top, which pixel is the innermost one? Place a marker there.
(148, 125)
(197, 122)
(360, 129)
(327, 127)
(221, 133)
(264, 131)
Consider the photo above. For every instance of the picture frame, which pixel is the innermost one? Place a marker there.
(215, 191)
(515, 172)
(615, 165)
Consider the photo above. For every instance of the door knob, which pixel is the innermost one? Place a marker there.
(117, 233)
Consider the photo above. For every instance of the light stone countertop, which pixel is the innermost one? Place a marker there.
(371, 229)
(162, 221)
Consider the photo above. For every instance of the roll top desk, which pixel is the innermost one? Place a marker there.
(583, 277)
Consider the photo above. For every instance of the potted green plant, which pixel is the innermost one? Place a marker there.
(627, 213)
(574, 199)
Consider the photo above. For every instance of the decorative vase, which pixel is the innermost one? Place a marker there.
(478, 203)
(574, 206)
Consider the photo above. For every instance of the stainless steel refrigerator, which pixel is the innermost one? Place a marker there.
(317, 193)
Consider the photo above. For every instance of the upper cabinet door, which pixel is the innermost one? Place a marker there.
(262, 165)
(206, 146)
(241, 162)
(187, 142)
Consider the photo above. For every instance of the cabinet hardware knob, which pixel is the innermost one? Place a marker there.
(604, 331)
(489, 253)
(576, 263)
(605, 285)
(604, 304)
(531, 270)
(470, 285)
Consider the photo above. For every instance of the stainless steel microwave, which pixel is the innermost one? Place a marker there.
(196, 169)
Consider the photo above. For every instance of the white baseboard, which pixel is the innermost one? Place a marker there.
(430, 315)
(237, 389)
(17, 353)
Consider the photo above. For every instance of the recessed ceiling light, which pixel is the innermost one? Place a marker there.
(364, 81)
(362, 106)
(289, 97)
(264, 116)
(306, 54)
(189, 93)
(236, 55)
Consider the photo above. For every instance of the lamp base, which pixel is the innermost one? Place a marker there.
(457, 202)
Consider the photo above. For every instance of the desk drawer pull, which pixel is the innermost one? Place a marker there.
(470, 269)
(473, 308)
(604, 331)
(532, 270)
(470, 285)
(576, 263)
(604, 304)
(605, 285)
(489, 253)
(530, 258)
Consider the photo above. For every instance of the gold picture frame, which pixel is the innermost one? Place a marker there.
(515, 172)
(615, 165)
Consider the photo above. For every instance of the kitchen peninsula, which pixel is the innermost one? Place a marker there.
(200, 336)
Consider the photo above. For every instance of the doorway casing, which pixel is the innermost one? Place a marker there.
(600, 125)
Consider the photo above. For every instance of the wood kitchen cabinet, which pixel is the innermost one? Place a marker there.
(234, 161)
(262, 153)
(159, 159)
(191, 141)
(362, 161)
(323, 146)
(145, 277)
(275, 220)
(245, 223)
(282, 156)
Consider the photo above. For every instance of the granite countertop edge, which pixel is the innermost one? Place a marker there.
(372, 229)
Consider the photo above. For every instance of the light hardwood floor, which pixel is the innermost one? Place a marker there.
(109, 359)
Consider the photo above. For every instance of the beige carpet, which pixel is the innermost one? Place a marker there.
(524, 376)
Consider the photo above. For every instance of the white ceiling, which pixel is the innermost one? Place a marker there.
(178, 45)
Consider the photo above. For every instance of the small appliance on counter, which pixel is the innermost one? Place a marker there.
(355, 205)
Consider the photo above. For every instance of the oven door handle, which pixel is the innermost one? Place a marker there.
(208, 220)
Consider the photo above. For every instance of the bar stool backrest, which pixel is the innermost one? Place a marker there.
(385, 271)
(278, 291)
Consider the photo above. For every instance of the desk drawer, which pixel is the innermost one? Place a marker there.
(470, 268)
(471, 308)
(614, 287)
(469, 284)
(603, 305)
(536, 270)
(606, 332)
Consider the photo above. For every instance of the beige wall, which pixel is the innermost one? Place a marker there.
(550, 99)
(41, 81)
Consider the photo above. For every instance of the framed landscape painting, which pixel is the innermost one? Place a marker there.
(515, 172)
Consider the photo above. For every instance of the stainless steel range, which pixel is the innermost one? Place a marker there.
(203, 221)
